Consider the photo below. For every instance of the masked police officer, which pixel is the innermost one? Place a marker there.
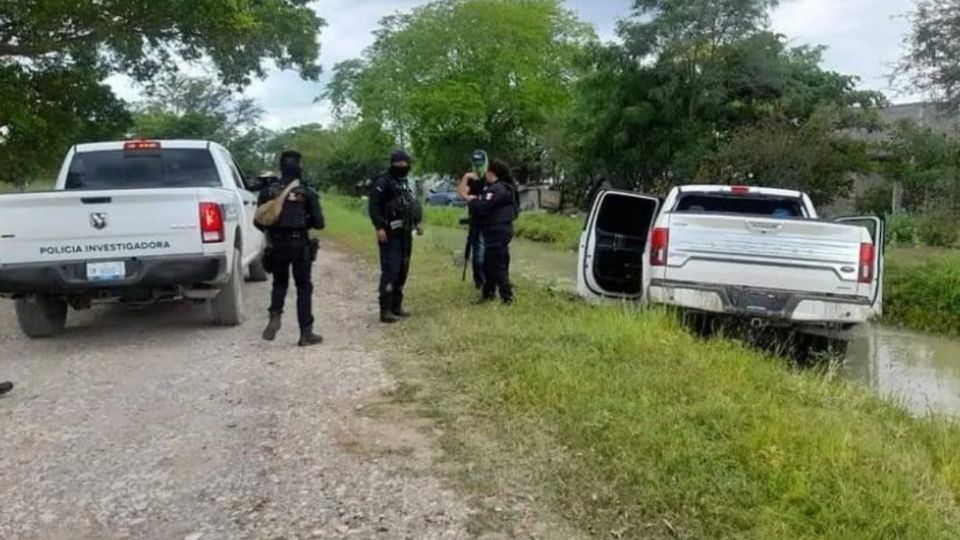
(496, 209)
(289, 246)
(395, 214)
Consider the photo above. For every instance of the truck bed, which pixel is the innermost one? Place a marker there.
(785, 254)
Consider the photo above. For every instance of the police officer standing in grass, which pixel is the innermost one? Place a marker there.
(287, 211)
(395, 214)
(496, 209)
(473, 184)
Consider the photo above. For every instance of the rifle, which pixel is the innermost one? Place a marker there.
(468, 251)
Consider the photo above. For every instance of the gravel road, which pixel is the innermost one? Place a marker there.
(153, 424)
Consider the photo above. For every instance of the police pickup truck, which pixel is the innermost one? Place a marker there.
(134, 221)
(755, 255)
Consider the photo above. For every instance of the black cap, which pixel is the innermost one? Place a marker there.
(289, 156)
(400, 155)
(479, 156)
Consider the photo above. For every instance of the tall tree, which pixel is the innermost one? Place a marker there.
(55, 54)
(932, 60)
(689, 79)
(184, 107)
(457, 74)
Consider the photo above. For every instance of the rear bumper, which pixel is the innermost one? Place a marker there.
(142, 274)
(794, 307)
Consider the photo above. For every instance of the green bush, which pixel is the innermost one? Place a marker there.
(559, 230)
(939, 230)
(922, 290)
(902, 230)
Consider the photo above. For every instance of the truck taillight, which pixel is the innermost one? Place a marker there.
(658, 247)
(132, 146)
(740, 190)
(867, 259)
(211, 222)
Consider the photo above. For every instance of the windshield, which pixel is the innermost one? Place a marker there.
(719, 203)
(119, 169)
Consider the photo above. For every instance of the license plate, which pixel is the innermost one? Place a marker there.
(107, 271)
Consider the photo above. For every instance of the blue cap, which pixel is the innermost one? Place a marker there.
(479, 156)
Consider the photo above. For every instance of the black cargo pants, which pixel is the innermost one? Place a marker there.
(395, 256)
(496, 263)
(283, 257)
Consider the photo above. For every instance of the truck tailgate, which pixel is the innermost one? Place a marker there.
(790, 254)
(98, 225)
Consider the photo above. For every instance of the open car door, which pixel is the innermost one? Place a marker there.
(612, 262)
(876, 226)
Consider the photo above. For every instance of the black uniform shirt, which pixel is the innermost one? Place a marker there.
(301, 210)
(496, 205)
(392, 206)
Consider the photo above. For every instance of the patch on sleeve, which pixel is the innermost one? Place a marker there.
(489, 196)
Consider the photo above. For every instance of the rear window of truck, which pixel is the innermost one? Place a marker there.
(751, 205)
(122, 169)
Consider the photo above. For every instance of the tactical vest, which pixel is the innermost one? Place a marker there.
(402, 205)
(295, 213)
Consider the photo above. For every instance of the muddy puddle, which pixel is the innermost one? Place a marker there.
(920, 371)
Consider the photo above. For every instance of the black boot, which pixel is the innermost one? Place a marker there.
(387, 317)
(399, 312)
(270, 332)
(5, 387)
(309, 339)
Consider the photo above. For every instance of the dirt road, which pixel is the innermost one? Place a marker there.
(154, 424)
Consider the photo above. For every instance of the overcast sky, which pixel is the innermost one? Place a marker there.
(864, 39)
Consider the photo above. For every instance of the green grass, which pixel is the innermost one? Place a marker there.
(558, 231)
(630, 425)
(922, 289)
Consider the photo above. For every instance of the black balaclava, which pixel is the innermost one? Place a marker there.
(397, 171)
(290, 167)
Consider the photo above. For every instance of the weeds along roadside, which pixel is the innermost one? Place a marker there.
(655, 434)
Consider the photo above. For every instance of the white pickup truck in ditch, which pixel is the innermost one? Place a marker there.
(755, 255)
(134, 221)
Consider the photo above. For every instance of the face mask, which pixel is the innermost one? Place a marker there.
(291, 171)
(400, 172)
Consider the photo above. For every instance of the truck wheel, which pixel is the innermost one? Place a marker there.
(257, 272)
(41, 317)
(228, 305)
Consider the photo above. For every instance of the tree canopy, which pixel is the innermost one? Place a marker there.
(932, 61)
(695, 84)
(55, 55)
(183, 107)
(459, 74)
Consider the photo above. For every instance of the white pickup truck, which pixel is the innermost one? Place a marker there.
(135, 221)
(756, 255)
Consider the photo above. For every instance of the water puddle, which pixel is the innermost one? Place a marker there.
(920, 371)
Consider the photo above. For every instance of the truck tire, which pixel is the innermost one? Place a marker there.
(228, 305)
(41, 317)
(257, 272)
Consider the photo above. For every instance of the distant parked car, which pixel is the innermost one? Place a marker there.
(445, 195)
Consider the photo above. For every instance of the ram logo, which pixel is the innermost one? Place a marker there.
(98, 220)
